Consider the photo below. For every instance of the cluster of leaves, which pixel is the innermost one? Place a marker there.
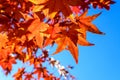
(29, 25)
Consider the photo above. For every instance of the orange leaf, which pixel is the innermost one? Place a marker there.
(38, 1)
(73, 49)
(3, 40)
(28, 76)
(85, 21)
(51, 10)
(62, 43)
(82, 41)
(53, 31)
(35, 27)
(18, 75)
(47, 42)
(39, 39)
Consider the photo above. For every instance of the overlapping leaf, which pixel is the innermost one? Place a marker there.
(73, 34)
(29, 25)
(51, 10)
(102, 3)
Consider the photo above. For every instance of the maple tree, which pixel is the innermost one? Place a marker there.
(29, 25)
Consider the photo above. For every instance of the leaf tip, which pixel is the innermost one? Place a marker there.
(77, 62)
(91, 44)
(102, 33)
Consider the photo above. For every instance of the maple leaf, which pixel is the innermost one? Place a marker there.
(18, 75)
(53, 33)
(73, 34)
(68, 40)
(29, 76)
(51, 10)
(33, 28)
(85, 21)
(82, 4)
(61, 42)
(82, 41)
(41, 72)
(6, 60)
(73, 49)
(102, 3)
(29, 25)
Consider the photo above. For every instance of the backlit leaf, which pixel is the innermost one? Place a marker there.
(3, 40)
(51, 10)
(61, 42)
(85, 21)
(82, 41)
(73, 50)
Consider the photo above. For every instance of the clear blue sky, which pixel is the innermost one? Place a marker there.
(102, 61)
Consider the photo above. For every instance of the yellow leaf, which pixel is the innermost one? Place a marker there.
(38, 1)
